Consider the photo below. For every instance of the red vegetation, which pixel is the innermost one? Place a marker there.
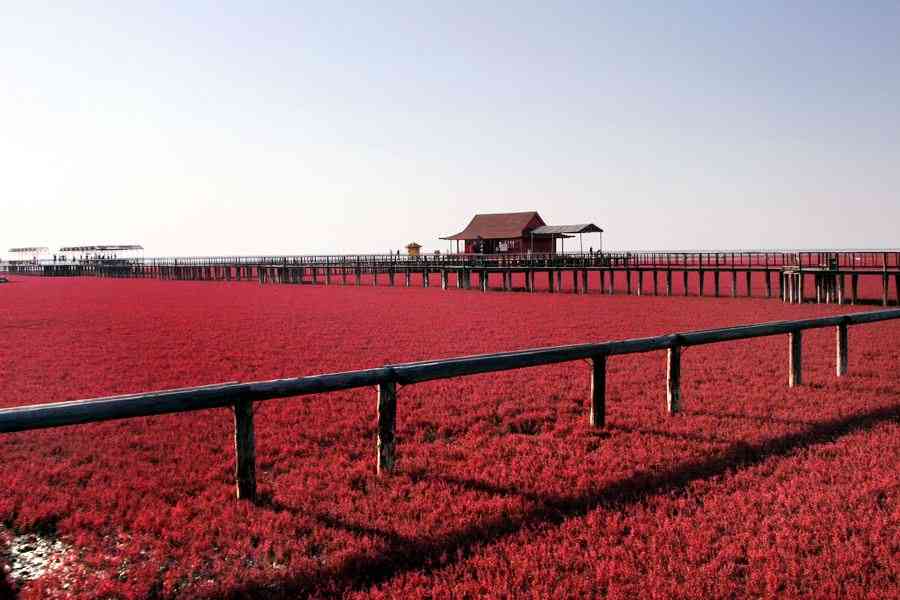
(502, 488)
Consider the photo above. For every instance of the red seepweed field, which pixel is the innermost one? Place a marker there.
(502, 488)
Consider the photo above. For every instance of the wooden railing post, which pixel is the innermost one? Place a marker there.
(598, 391)
(673, 380)
(842, 347)
(387, 419)
(795, 358)
(244, 449)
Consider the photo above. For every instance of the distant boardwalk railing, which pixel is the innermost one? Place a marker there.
(790, 272)
(241, 396)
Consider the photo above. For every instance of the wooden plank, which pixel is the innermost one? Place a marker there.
(841, 350)
(244, 449)
(795, 359)
(597, 416)
(387, 419)
(673, 380)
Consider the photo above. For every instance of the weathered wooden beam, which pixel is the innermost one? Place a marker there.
(244, 449)
(597, 416)
(795, 359)
(387, 420)
(842, 350)
(673, 380)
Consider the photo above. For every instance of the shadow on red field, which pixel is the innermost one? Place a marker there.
(406, 554)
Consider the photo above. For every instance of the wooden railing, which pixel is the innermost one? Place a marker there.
(855, 259)
(241, 396)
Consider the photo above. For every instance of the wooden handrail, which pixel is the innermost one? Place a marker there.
(241, 395)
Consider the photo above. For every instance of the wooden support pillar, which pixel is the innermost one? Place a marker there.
(854, 287)
(628, 282)
(716, 275)
(559, 281)
(673, 380)
(897, 287)
(459, 278)
(800, 291)
(840, 288)
(387, 420)
(701, 276)
(841, 354)
(584, 281)
(748, 275)
(684, 276)
(245, 450)
(795, 358)
(444, 277)
(768, 283)
(884, 289)
(655, 274)
(640, 276)
(483, 274)
(668, 282)
(574, 281)
(550, 281)
(597, 416)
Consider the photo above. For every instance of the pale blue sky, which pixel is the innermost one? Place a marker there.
(292, 127)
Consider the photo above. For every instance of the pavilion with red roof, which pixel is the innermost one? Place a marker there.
(515, 233)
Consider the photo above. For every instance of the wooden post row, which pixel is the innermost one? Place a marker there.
(795, 357)
(842, 347)
(387, 419)
(245, 450)
(598, 391)
(673, 380)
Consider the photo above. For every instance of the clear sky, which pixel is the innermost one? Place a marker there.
(244, 127)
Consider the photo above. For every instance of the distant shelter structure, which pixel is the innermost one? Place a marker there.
(517, 233)
(29, 253)
(101, 252)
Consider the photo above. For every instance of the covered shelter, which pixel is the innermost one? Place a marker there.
(514, 233)
(103, 251)
(568, 231)
(30, 253)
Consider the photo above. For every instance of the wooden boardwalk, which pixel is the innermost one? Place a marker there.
(792, 276)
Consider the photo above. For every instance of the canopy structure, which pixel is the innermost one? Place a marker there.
(29, 250)
(101, 248)
(566, 229)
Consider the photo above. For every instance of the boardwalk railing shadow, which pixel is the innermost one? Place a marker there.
(405, 555)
